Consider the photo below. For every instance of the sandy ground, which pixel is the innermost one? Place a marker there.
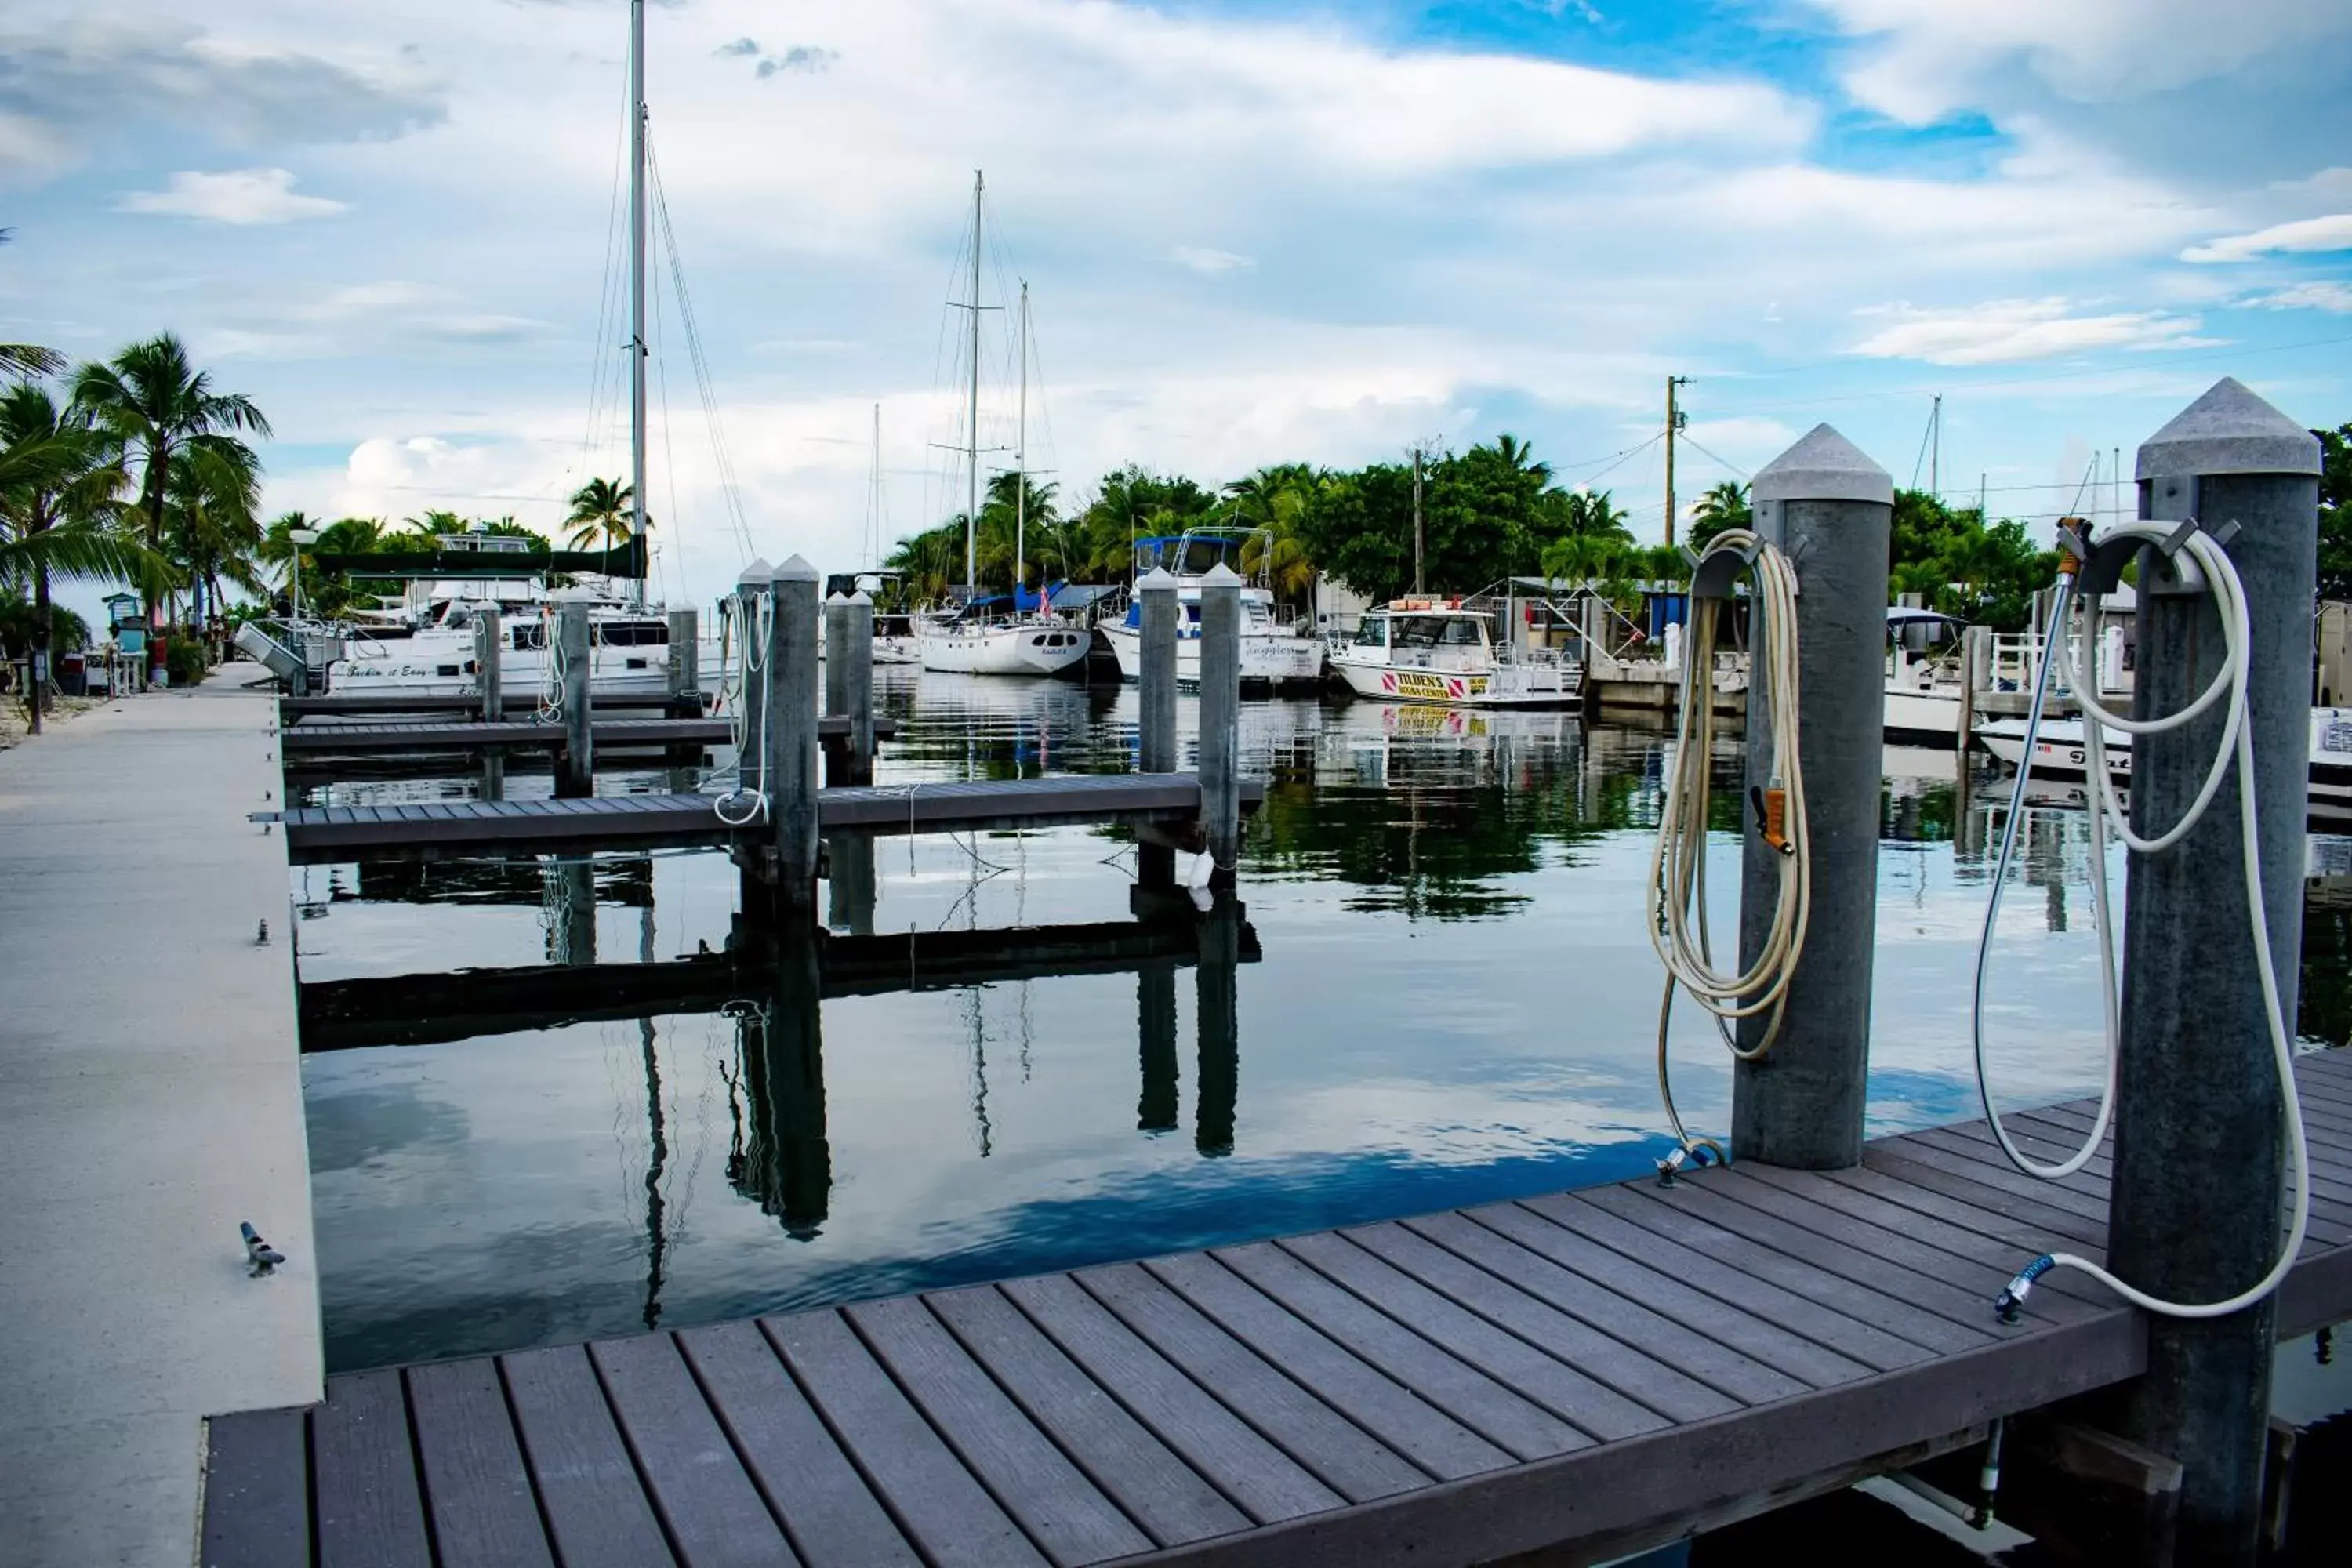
(60, 711)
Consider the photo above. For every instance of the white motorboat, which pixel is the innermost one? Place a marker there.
(977, 647)
(2059, 751)
(1272, 653)
(629, 652)
(1433, 650)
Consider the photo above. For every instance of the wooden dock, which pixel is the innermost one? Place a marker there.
(311, 738)
(1596, 1371)
(424, 1009)
(316, 835)
(377, 705)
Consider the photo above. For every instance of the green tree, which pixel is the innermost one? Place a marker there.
(29, 361)
(1723, 506)
(1962, 567)
(162, 410)
(603, 512)
(2336, 512)
(211, 526)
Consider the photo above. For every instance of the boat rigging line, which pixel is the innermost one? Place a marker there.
(1678, 907)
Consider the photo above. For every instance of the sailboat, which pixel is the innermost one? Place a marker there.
(427, 649)
(974, 644)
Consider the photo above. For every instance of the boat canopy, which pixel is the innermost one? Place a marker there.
(1193, 552)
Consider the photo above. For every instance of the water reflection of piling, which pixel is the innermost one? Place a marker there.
(785, 1164)
(1219, 1065)
(1155, 1015)
(569, 890)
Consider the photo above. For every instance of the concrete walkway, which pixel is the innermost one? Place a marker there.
(150, 1099)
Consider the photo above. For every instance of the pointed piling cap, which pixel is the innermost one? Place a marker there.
(757, 574)
(2229, 431)
(1824, 465)
(1156, 580)
(796, 568)
(860, 599)
(1221, 576)
(836, 598)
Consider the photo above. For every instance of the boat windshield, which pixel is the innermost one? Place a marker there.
(1374, 632)
(1437, 631)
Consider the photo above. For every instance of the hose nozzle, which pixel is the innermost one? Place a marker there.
(2011, 1300)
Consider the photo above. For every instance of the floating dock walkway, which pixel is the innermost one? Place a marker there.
(1609, 1369)
(313, 739)
(317, 834)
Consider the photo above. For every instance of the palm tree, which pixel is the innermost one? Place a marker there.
(27, 362)
(212, 527)
(159, 408)
(602, 514)
(277, 548)
(59, 512)
(1723, 506)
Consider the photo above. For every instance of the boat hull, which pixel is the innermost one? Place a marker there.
(1926, 718)
(1500, 686)
(2059, 752)
(1026, 649)
(1278, 658)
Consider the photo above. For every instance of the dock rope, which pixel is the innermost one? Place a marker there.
(757, 615)
(552, 671)
(1678, 907)
(2230, 683)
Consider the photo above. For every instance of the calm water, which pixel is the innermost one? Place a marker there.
(1455, 1003)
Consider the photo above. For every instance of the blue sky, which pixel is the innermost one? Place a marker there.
(1254, 232)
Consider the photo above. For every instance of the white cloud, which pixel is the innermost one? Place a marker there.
(2319, 295)
(238, 197)
(2002, 330)
(2333, 232)
(1922, 59)
(1201, 258)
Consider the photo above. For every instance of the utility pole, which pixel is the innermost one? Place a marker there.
(1419, 586)
(1674, 418)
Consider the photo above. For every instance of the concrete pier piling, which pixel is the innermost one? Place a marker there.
(836, 653)
(1156, 692)
(791, 773)
(685, 659)
(489, 642)
(1829, 509)
(2198, 1185)
(575, 769)
(1220, 706)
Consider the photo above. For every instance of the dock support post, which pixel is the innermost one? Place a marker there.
(1156, 691)
(1975, 648)
(2197, 1184)
(849, 882)
(1829, 509)
(575, 769)
(836, 653)
(791, 773)
(488, 678)
(857, 686)
(1221, 718)
(685, 664)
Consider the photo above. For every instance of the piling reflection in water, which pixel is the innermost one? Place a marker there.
(781, 1159)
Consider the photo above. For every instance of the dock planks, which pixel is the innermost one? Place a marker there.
(316, 835)
(311, 738)
(1452, 1388)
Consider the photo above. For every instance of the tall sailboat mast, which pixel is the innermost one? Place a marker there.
(1020, 462)
(637, 285)
(971, 487)
(874, 496)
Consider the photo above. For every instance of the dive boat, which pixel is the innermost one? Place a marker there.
(2059, 751)
(628, 654)
(1271, 652)
(1433, 650)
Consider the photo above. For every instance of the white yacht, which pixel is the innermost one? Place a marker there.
(1271, 652)
(977, 644)
(2060, 752)
(1433, 650)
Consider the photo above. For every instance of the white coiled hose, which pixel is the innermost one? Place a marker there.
(1678, 912)
(2230, 684)
(756, 613)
